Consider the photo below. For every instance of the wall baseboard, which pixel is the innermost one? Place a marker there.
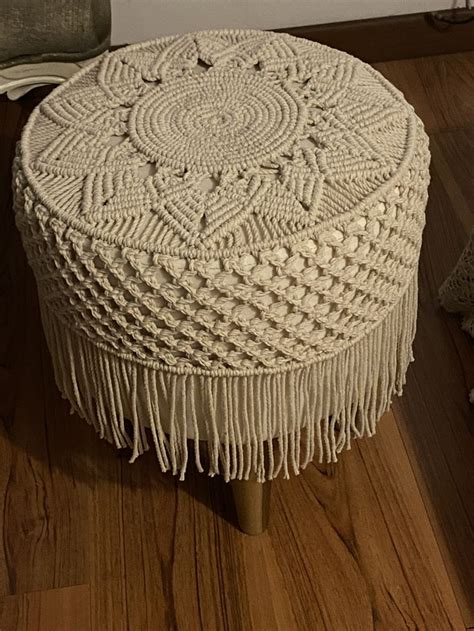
(396, 37)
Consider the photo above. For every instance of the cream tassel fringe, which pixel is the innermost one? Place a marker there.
(321, 407)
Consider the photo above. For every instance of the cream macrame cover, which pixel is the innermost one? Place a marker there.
(225, 229)
(457, 292)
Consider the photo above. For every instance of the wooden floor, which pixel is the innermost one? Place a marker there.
(383, 540)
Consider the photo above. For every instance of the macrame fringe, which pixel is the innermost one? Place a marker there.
(263, 425)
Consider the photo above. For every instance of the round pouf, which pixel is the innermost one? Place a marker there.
(225, 229)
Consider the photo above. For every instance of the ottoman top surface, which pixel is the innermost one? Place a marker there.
(218, 142)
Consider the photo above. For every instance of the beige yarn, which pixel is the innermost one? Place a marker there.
(457, 292)
(225, 229)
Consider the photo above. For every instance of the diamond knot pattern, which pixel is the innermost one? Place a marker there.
(224, 201)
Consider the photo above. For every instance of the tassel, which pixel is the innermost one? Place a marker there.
(262, 425)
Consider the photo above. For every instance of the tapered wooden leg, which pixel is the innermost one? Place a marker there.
(252, 503)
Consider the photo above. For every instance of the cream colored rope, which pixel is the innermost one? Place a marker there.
(225, 230)
(457, 291)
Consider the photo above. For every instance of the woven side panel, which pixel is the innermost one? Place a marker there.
(262, 424)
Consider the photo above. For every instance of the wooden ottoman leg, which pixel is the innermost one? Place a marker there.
(252, 503)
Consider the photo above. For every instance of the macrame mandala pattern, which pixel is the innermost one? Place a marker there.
(225, 229)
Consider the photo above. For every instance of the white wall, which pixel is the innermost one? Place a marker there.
(136, 20)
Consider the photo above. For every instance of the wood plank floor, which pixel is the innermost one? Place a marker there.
(381, 541)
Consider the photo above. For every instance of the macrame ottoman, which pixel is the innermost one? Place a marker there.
(457, 292)
(225, 229)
